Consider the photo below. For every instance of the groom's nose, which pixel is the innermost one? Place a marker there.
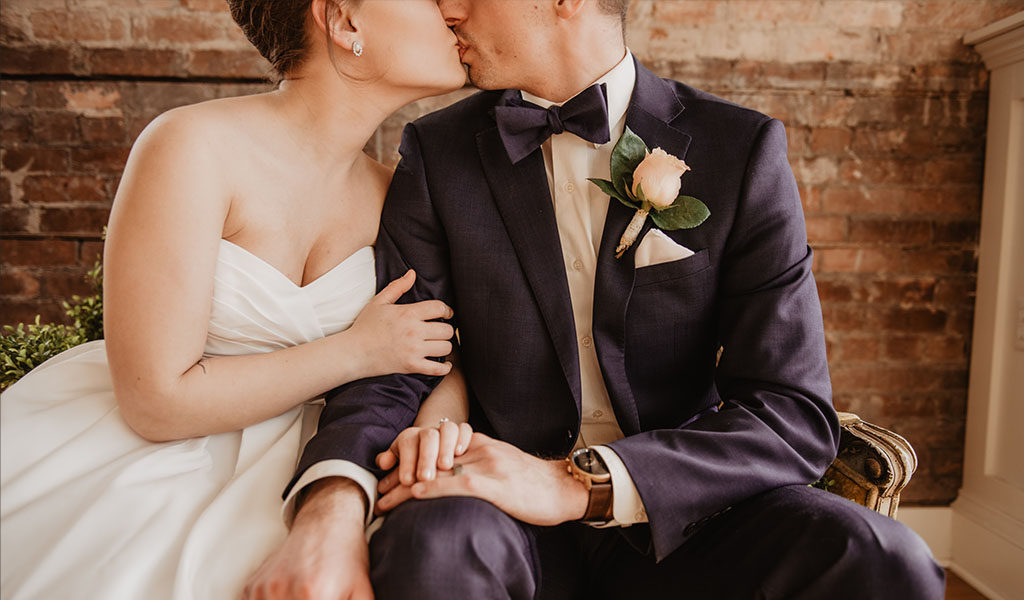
(453, 11)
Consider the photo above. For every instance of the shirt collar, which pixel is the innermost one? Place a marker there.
(620, 81)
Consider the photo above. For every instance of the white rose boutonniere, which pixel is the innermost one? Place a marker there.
(649, 181)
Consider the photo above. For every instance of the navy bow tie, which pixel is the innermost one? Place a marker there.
(524, 126)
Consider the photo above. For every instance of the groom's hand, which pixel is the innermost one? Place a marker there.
(525, 487)
(324, 556)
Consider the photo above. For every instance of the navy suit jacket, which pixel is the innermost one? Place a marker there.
(481, 234)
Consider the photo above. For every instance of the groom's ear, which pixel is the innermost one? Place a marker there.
(568, 9)
(335, 20)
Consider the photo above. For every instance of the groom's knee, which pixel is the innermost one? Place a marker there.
(449, 548)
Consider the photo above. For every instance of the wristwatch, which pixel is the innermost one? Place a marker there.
(586, 466)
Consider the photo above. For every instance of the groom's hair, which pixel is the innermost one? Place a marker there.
(615, 7)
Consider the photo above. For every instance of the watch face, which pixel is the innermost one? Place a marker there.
(589, 461)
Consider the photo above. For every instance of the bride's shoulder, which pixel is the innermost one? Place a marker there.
(211, 123)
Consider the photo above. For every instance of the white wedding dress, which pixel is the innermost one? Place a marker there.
(88, 509)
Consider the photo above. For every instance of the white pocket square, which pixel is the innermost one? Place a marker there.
(657, 248)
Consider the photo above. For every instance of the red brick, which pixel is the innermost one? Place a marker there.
(860, 260)
(5, 192)
(933, 260)
(73, 220)
(955, 291)
(51, 126)
(78, 25)
(103, 130)
(15, 127)
(857, 348)
(38, 252)
(35, 159)
(135, 61)
(915, 320)
(178, 28)
(204, 5)
(50, 190)
(25, 311)
(826, 229)
(15, 95)
(902, 348)
(888, 231)
(945, 349)
(56, 61)
(90, 252)
(18, 283)
(99, 159)
(956, 232)
(15, 219)
(228, 63)
(64, 284)
(830, 140)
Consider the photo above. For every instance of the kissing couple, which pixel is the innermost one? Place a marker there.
(570, 348)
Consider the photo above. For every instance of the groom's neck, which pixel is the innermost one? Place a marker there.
(576, 62)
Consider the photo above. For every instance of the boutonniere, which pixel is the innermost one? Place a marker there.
(649, 182)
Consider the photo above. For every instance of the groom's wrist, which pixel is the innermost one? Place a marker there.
(337, 499)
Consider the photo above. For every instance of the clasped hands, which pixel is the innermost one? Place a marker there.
(452, 460)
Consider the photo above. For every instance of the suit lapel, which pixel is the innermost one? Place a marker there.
(524, 201)
(653, 108)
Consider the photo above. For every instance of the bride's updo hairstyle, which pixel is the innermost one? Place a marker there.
(280, 28)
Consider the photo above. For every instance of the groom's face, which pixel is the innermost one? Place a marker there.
(503, 42)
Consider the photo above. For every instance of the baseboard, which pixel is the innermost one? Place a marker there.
(935, 526)
(976, 549)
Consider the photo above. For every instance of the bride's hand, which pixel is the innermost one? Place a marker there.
(398, 338)
(419, 452)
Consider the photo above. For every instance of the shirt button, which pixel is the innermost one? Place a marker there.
(577, 264)
(587, 341)
(598, 414)
(569, 187)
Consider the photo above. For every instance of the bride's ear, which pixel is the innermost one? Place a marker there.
(335, 19)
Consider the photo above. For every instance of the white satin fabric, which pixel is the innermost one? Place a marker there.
(88, 509)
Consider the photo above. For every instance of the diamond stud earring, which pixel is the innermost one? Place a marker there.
(357, 48)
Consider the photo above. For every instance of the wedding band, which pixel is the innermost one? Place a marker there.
(443, 420)
(456, 470)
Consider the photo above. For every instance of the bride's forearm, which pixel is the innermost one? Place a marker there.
(449, 400)
(228, 393)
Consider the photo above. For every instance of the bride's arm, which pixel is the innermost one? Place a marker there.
(159, 263)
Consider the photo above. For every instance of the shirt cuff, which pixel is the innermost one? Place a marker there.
(332, 468)
(627, 506)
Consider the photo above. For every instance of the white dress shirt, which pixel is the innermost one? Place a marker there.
(580, 211)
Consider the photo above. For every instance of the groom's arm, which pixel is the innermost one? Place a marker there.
(362, 418)
(777, 425)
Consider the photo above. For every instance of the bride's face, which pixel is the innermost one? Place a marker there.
(407, 45)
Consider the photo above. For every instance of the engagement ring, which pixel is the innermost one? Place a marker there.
(443, 420)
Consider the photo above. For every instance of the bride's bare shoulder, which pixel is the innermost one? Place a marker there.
(224, 121)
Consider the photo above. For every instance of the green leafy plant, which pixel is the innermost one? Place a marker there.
(26, 347)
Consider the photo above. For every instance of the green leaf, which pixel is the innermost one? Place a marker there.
(626, 155)
(607, 187)
(686, 212)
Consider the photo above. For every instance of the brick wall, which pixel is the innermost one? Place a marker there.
(884, 106)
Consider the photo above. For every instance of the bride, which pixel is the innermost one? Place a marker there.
(239, 285)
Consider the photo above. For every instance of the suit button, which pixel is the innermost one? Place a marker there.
(577, 264)
(587, 341)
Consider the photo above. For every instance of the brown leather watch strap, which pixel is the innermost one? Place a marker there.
(599, 507)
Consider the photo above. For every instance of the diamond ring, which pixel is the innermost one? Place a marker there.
(442, 422)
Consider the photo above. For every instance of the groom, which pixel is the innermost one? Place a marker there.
(687, 378)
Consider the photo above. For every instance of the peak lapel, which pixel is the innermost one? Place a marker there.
(521, 193)
(653, 108)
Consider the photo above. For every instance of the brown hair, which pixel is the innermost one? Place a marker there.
(278, 28)
(615, 7)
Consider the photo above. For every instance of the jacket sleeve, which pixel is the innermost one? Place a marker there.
(362, 418)
(777, 425)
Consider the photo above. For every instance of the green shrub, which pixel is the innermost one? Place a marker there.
(24, 348)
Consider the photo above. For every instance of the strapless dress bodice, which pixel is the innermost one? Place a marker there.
(256, 308)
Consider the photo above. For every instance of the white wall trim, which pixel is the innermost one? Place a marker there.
(935, 526)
